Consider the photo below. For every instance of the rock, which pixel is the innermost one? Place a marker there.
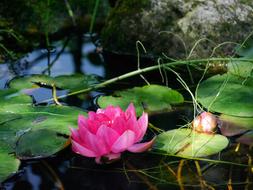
(173, 27)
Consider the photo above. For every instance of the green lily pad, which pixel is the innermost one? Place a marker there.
(28, 120)
(20, 121)
(69, 82)
(44, 147)
(232, 125)
(12, 96)
(227, 94)
(150, 98)
(188, 143)
(8, 163)
(239, 68)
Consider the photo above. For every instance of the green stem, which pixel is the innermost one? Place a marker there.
(148, 69)
(93, 18)
(70, 12)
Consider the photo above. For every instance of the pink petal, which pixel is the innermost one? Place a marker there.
(92, 142)
(141, 147)
(76, 147)
(133, 125)
(108, 135)
(113, 112)
(123, 142)
(91, 115)
(102, 118)
(119, 125)
(93, 126)
(143, 125)
(82, 121)
(130, 111)
(74, 134)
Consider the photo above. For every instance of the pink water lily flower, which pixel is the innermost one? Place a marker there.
(205, 122)
(109, 132)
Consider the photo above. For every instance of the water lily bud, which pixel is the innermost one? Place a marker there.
(109, 132)
(205, 122)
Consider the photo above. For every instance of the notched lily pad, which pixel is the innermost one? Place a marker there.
(188, 143)
(46, 143)
(29, 122)
(69, 82)
(151, 98)
(227, 94)
(29, 131)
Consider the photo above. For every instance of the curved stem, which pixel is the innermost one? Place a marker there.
(148, 69)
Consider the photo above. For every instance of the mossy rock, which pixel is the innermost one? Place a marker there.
(166, 26)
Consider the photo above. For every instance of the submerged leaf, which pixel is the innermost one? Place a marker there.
(228, 94)
(188, 143)
(151, 98)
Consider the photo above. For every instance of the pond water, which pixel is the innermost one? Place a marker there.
(67, 170)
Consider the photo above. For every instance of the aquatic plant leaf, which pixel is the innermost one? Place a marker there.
(228, 94)
(246, 138)
(150, 98)
(12, 96)
(47, 143)
(232, 125)
(27, 82)
(8, 163)
(69, 82)
(24, 125)
(188, 143)
(246, 50)
(239, 68)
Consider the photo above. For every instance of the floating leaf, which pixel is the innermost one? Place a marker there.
(21, 83)
(71, 82)
(151, 98)
(29, 120)
(11, 96)
(8, 163)
(43, 147)
(239, 68)
(188, 143)
(232, 125)
(228, 94)
(246, 138)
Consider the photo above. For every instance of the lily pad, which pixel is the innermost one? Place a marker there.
(27, 120)
(239, 68)
(29, 131)
(43, 147)
(232, 125)
(188, 143)
(69, 82)
(8, 163)
(227, 94)
(150, 98)
(246, 138)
